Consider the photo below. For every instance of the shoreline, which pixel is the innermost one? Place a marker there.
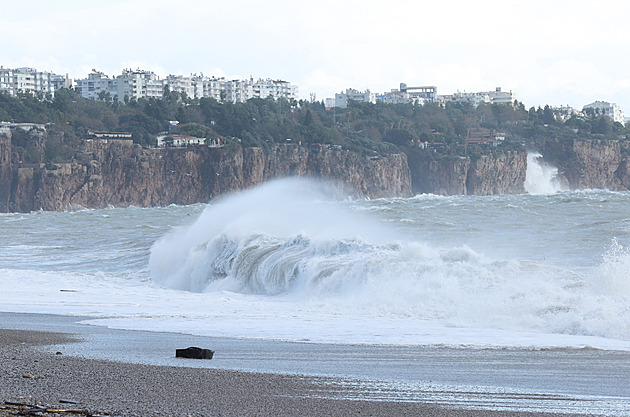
(123, 389)
(34, 377)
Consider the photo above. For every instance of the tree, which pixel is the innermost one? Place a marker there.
(104, 95)
(602, 125)
(548, 116)
(308, 118)
(399, 137)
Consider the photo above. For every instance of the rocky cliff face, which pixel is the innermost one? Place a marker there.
(588, 163)
(497, 174)
(118, 173)
(5, 172)
(490, 174)
(121, 174)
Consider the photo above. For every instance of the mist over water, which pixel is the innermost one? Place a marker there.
(541, 177)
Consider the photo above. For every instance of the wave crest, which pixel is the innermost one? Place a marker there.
(279, 241)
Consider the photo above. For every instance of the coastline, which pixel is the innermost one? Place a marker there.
(131, 389)
(123, 389)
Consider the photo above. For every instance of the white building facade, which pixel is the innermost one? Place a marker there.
(136, 84)
(605, 108)
(498, 96)
(427, 93)
(398, 97)
(29, 80)
(342, 99)
(93, 86)
(474, 99)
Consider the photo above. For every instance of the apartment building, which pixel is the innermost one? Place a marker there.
(473, 98)
(605, 108)
(182, 85)
(498, 96)
(342, 99)
(131, 84)
(264, 88)
(96, 83)
(30, 80)
(196, 86)
(137, 84)
(426, 93)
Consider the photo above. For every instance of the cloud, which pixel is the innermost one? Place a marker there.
(546, 52)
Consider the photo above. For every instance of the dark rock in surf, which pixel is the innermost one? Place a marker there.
(194, 353)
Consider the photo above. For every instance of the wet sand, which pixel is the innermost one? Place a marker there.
(30, 375)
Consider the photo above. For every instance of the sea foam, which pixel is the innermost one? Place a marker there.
(286, 241)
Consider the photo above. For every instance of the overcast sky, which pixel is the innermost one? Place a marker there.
(546, 51)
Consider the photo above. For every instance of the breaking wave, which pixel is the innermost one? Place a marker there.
(286, 240)
(541, 177)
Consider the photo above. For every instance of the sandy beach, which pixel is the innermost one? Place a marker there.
(53, 380)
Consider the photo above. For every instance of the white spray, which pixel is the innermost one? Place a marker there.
(282, 242)
(541, 177)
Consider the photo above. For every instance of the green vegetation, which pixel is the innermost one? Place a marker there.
(370, 129)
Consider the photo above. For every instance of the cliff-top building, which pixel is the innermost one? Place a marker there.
(428, 93)
(29, 80)
(136, 84)
(342, 99)
(604, 108)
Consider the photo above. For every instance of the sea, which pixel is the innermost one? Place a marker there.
(293, 262)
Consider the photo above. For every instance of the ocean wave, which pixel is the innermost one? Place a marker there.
(275, 242)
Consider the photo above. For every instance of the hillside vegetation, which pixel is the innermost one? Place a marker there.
(369, 129)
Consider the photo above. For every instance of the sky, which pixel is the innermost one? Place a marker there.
(552, 52)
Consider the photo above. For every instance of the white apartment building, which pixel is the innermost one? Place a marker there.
(94, 84)
(210, 87)
(473, 98)
(426, 93)
(342, 99)
(275, 89)
(196, 86)
(501, 97)
(491, 97)
(399, 97)
(235, 91)
(394, 97)
(182, 85)
(30, 80)
(132, 84)
(60, 81)
(7, 81)
(611, 110)
(564, 113)
(137, 84)
(238, 91)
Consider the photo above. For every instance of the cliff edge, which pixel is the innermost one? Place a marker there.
(119, 173)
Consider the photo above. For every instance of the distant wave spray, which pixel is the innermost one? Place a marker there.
(541, 177)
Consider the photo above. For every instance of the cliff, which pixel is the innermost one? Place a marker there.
(5, 172)
(490, 174)
(589, 163)
(118, 173)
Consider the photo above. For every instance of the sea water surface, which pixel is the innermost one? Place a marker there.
(288, 262)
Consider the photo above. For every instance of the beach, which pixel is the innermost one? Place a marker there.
(447, 305)
(34, 375)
